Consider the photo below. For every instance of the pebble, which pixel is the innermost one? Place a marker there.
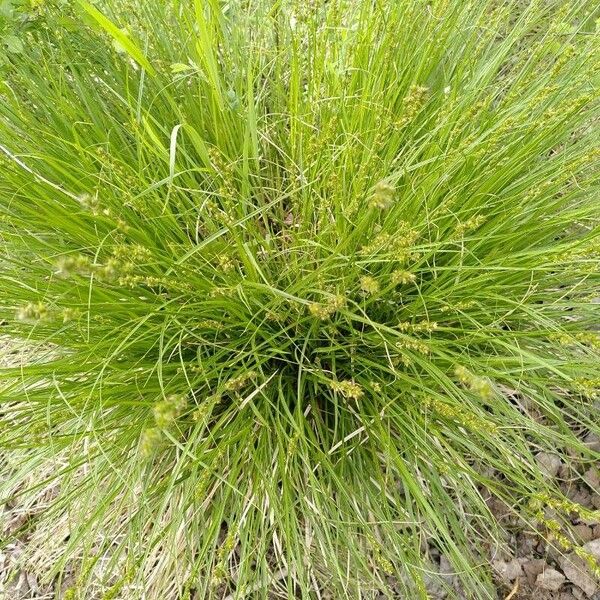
(532, 568)
(548, 463)
(593, 548)
(579, 495)
(583, 533)
(550, 579)
(592, 478)
(577, 572)
(593, 441)
(507, 570)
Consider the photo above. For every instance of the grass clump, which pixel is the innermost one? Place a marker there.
(318, 279)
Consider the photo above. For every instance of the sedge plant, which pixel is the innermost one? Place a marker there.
(307, 284)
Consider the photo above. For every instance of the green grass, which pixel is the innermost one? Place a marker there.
(311, 281)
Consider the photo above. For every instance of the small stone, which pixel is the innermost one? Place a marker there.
(593, 548)
(565, 471)
(548, 463)
(525, 544)
(579, 495)
(593, 441)
(583, 533)
(592, 478)
(550, 579)
(507, 570)
(498, 508)
(532, 568)
(577, 572)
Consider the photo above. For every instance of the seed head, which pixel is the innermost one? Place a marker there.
(166, 411)
(33, 312)
(348, 389)
(225, 263)
(238, 383)
(73, 265)
(412, 105)
(92, 204)
(369, 285)
(152, 438)
(114, 269)
(403, 277)
(478, 385)
(383, 196)
(70, 314)
(422, 327)
(325, 310)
